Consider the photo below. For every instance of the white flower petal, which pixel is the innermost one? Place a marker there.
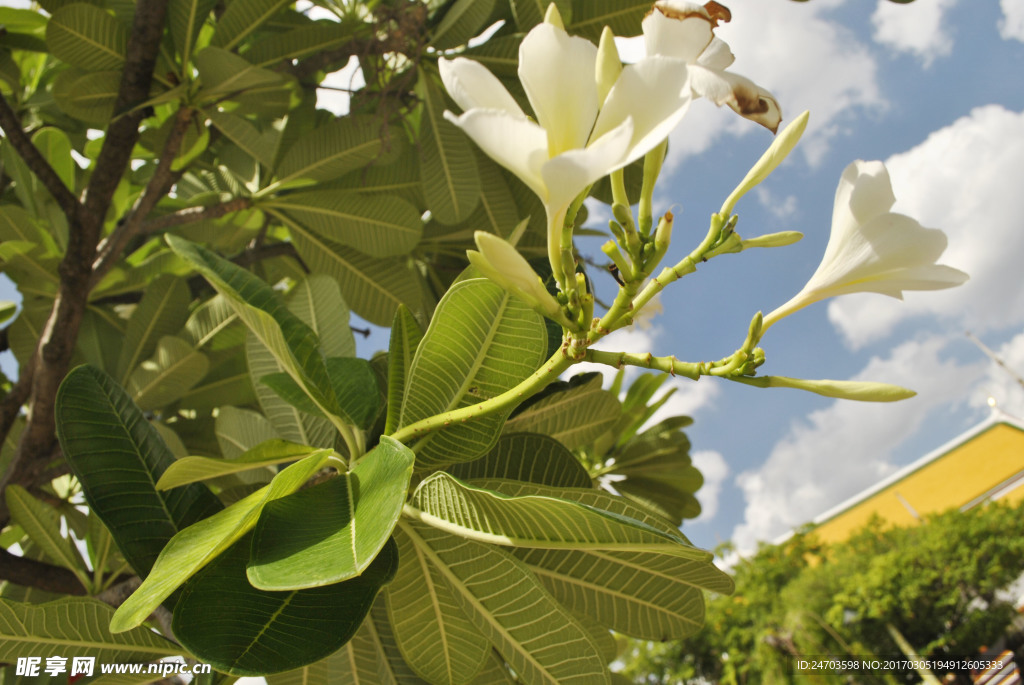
(516, 143)
(558, 73)
(472, 85)
(570, 172)
(716, 55)
(864, 192)
(683, 39)
(749, 100)
(660, 86)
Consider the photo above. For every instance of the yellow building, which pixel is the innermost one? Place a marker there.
(986, 462)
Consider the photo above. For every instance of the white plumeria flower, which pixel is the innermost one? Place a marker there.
(685, 30)
(576, 138)
(872, 249)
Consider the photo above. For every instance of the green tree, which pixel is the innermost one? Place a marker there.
(937, 584)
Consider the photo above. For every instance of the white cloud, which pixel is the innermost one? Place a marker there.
(714, 469)
(806, 60)
(846, 447)
(962, 179)
(781, 208)
(1011, 26)
(919, 28)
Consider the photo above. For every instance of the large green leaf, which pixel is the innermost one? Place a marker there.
(436, 638)
(185, 18)
(355, 389)
(162, 312)
(644, 594)
(573, 413)
(214, 323)
(289, 422)
(540, 640)
(41, 523)
(294, 345)
(331, 151)
(317, 300)
(589, 17)
(529, 13)
(373, 288)
(481, 342)
(74, 625)
(253, 632)
(463, 20)
(117, 456)
(243, 134)
(86, 37)
(87, 96)
(56, 149)
(331, 532)
(193, 469)
(242, 18)
(200, 543)
(174, 368)
(376, 225)
(301, 42)
(405, 338)
(448, 170)
(223, 73)
(537, 520)
(526, 457)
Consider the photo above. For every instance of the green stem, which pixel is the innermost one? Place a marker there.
(533, 384)
(670, 365)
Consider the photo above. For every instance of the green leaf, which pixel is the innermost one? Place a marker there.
(481, 342)
(213, 323)
(405, 338)
(242, 18)
(193, 469)
(167, 375)
(529, 13)
(87, 37)
(435, 637)
(294, 345)
(540, 640)
(254, 631)
(330, 151)
(200, 543)
(74, 625)
(289, 422)
(41, 523)
(56, 149)
(379, 226)
(240, 430)
(589, 17)
(649, 595)
(227, 382)
(223, 73)
(118, 456)
(243, 134)
(355, 388)
(185, 18)
(317, 300)
(451, 183)
(373, 288)
(331, 532)
(301, 42)
(463, 20)
(526, 457)
(573, 413)
(162, 312)
(542, 521)
(87, 96)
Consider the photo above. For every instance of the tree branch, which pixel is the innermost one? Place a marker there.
(193, 214)
(35, 161)
(38, 574)
(159, 185)
(57, 342)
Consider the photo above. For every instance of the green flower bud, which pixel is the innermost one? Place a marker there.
(780, 239)
(554, 17)
(862, 391)
(609, 65)
(773, 156)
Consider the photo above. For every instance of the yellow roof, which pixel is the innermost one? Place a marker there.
(986, 462)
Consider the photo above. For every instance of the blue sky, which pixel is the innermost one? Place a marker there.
(934, 89)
